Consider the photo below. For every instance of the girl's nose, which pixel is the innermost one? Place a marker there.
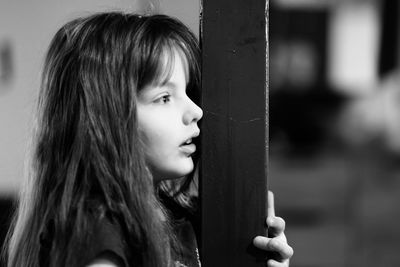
(193, 113)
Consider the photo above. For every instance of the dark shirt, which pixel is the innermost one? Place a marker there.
(108, 240)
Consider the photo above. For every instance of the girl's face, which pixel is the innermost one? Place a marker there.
(167, 120)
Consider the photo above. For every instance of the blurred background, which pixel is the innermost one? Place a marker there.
(334, 116)
(335, 129)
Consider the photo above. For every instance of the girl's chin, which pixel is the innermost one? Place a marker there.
(173, 173)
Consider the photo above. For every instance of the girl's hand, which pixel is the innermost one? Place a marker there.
(276, 242)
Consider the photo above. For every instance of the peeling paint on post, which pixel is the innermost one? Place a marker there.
(234, 130)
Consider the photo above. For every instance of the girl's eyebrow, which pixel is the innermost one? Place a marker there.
(169, 84)
(174, 86)
(157, 88)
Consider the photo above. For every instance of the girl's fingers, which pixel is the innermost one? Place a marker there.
(261, 242)
(276, 226)
(271, 205)
(273, 245)
(277, 241)
(274, 263)
(284, 250)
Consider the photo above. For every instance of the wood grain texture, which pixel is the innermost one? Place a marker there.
(234, 130)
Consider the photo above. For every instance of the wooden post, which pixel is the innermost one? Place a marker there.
(234, 130)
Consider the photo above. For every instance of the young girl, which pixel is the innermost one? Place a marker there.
(117, 121)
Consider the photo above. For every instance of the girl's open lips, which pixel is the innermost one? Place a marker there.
(188, 148)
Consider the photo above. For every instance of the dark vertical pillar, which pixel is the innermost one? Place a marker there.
(234, 130)
(389, 51)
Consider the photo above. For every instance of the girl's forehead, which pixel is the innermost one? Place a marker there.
(180, 55)
(167, 63)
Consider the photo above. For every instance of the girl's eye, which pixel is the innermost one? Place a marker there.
(163, 99)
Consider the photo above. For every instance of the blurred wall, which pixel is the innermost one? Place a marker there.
(335, 129)
(26, 28)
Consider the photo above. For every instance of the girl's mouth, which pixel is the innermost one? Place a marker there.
(188, 147)
(188, 142)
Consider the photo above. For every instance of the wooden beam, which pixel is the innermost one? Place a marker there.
(234, 130)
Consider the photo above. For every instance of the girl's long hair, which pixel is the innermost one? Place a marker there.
(87, 160)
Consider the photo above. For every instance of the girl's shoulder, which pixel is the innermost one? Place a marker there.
(107, 244)
(103, 241)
